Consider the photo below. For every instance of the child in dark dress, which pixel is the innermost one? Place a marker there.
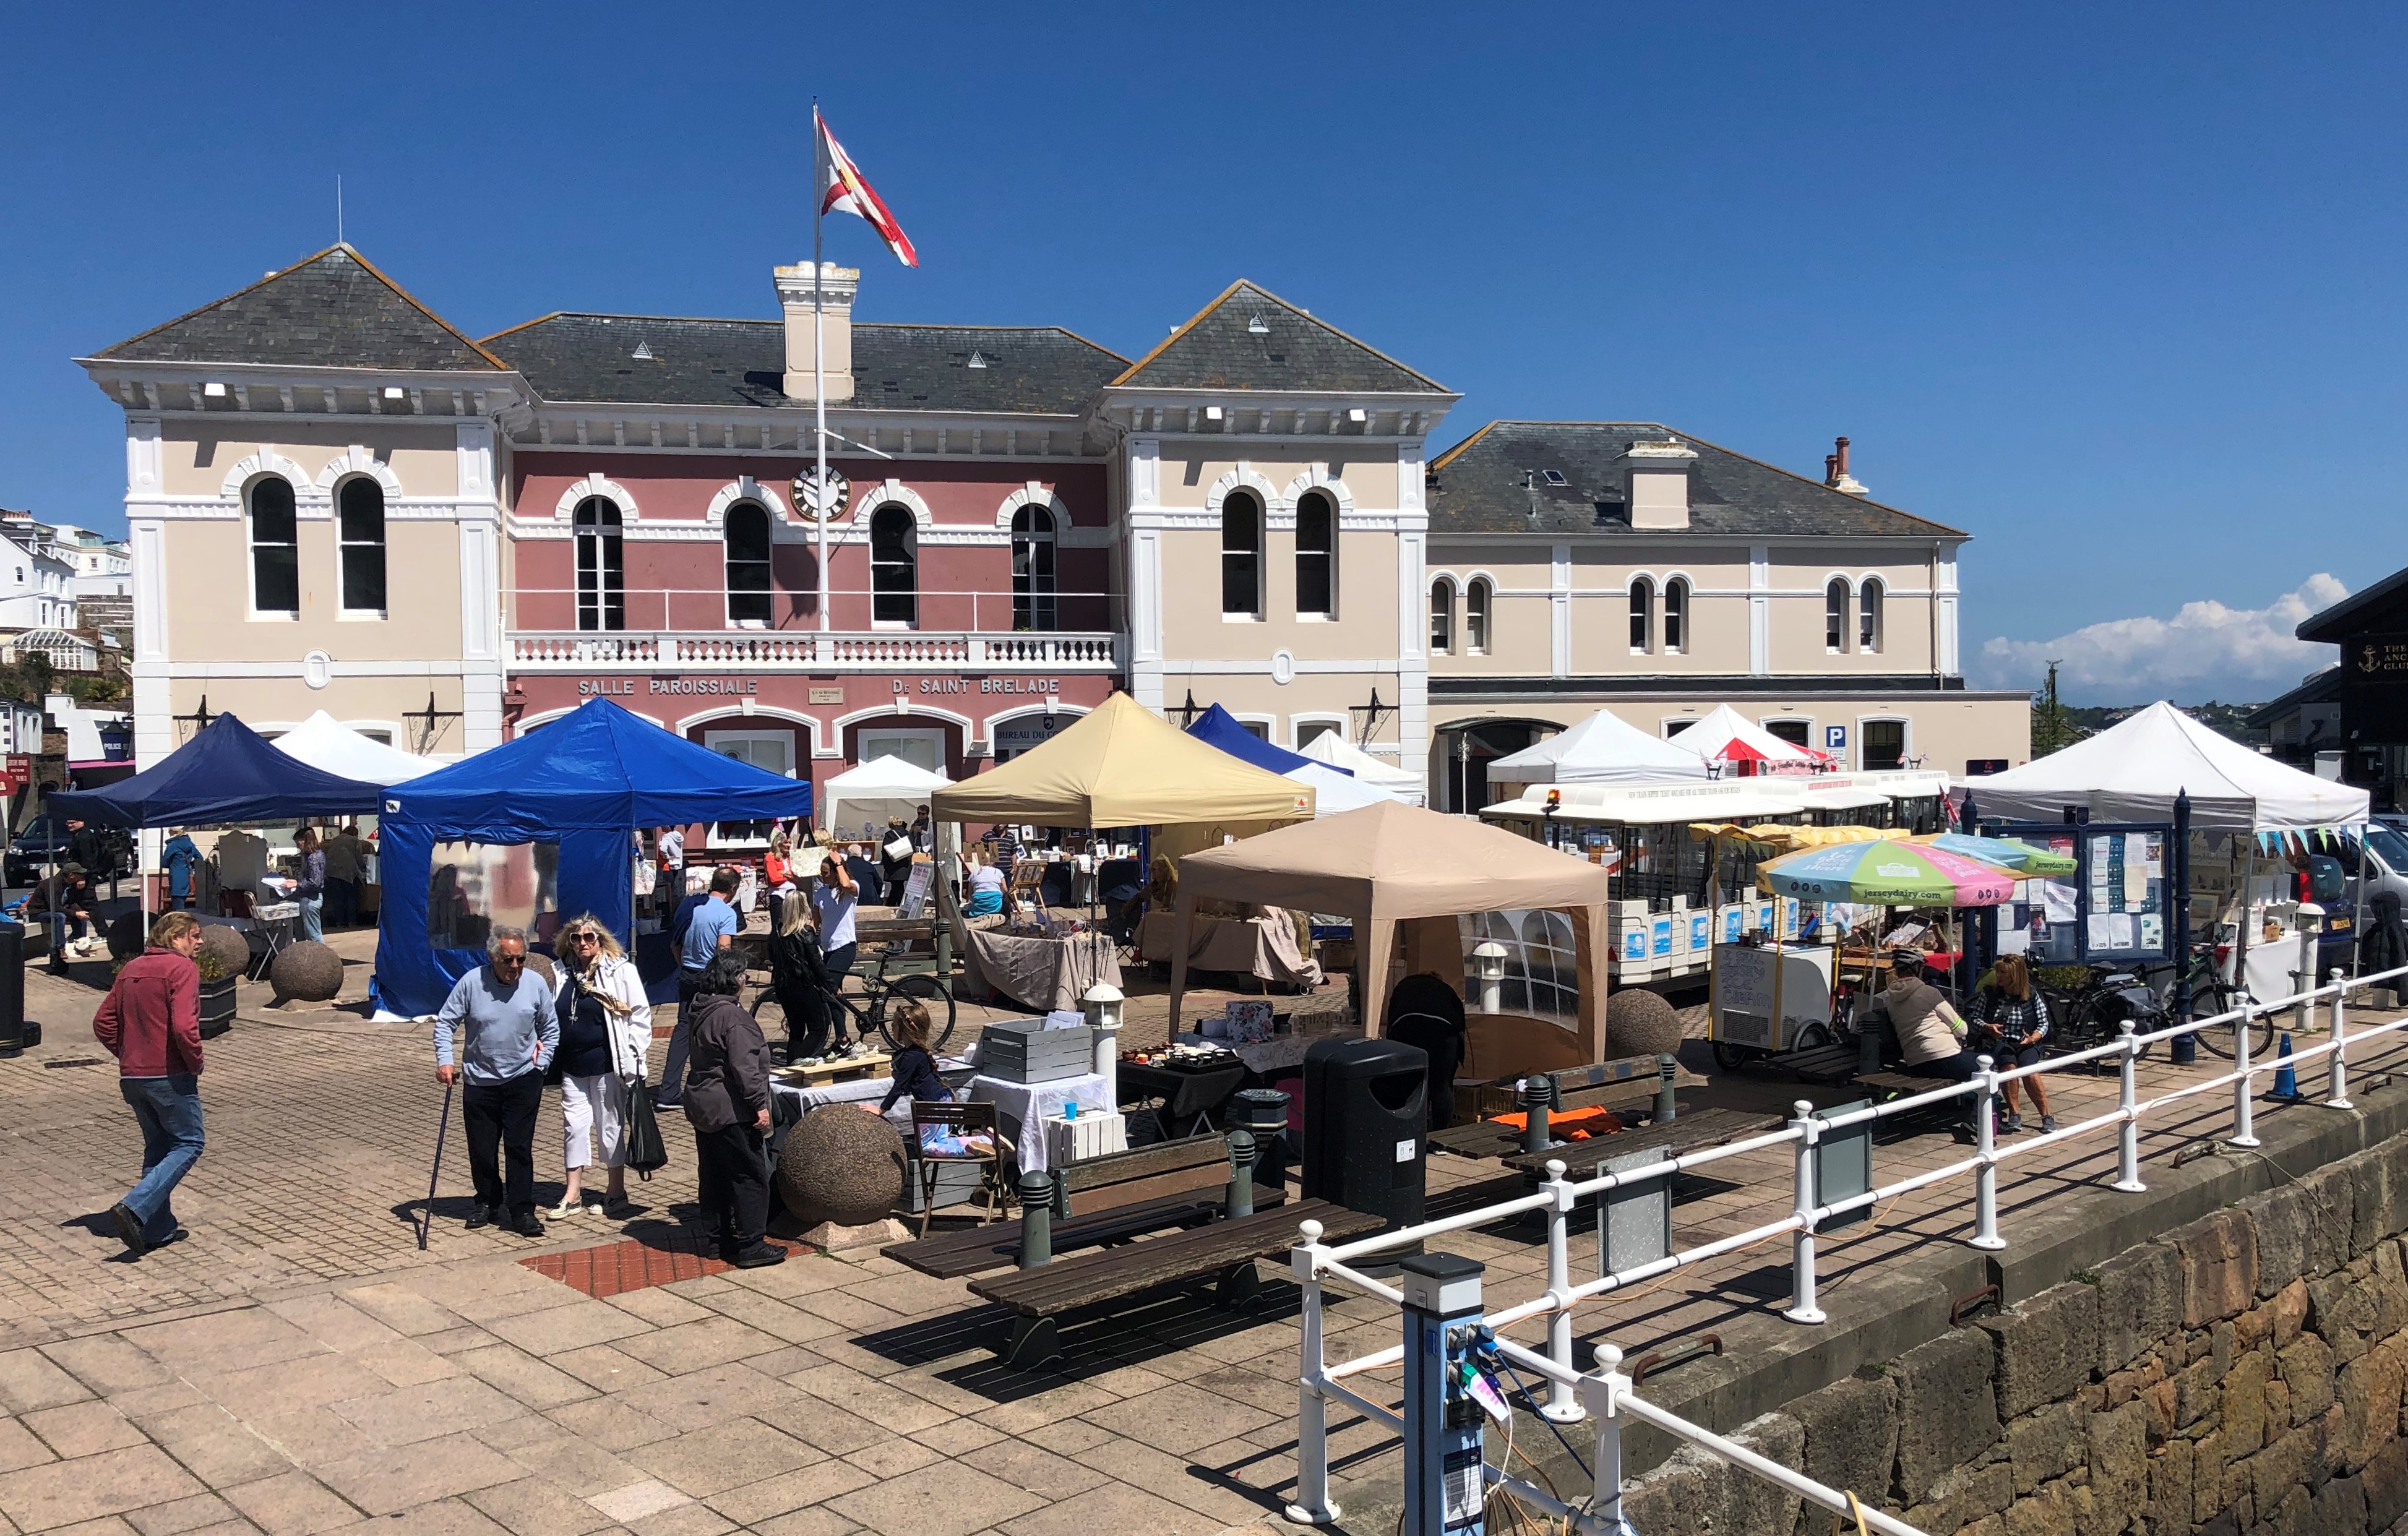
(914, 1065)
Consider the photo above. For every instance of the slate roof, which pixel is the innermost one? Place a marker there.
(1032, 369)
(2354, 612)
(1477, 486)
(333, 310)
(1218, 348)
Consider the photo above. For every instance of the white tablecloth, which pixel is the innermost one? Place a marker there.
(1019, 1104)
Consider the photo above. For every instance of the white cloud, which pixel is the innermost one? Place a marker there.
(2205, 651)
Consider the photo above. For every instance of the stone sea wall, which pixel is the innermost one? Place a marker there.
(2242, 1374)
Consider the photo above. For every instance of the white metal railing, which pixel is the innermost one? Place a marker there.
(995, 611)
(800, 650)
(1572, 1396)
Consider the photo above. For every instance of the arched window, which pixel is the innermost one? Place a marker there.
(1676, 616)
(601, 565)
(1868, 616)
(894, 566)
(1316, 555)
(1475, 617)
(1242, 555)
(275, 548)
(1441, 616)
(1642, 616)
(360, 538)
(1032, 568)
(1835, 616)
(747, 533)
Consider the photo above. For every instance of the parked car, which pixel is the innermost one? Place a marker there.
(45, 841)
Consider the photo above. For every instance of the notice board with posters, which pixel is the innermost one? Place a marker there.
(2116, 906)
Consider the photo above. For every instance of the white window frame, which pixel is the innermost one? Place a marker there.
(1262, 553)
(869, 541)
(1664, 614)
(1664, 726)
(1297, 722)
(250, 553)
(1806, 720)
(1648, 626)
(1269, 724)
(714, 739)
(1441, 583)
(384, 543)
(1906, 738)
(727, 595)
(1328, 615)
(1872, 613)
(931, 734)
(1486, 644)
(1847, 614)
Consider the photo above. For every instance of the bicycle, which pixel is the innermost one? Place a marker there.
(2094, 1011)
(2211, 995)
(869, 1012)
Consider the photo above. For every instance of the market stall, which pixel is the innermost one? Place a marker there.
(1741, 746)
(326, 744)
(1331, 747)
(1335, 787)
(1604, 749)
(1406, 876)
(862, 799)
(540, 827)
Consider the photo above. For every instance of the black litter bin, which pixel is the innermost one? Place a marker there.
(1366, 1108)
(15, 1034)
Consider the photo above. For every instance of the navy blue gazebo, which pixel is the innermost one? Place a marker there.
(227, 774)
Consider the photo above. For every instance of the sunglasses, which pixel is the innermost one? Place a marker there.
(500, 960)
(585, 937)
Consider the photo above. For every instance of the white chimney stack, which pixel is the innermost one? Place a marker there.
(1655, 480)
(837, 286)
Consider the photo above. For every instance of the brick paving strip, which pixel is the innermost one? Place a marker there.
(298, 1367)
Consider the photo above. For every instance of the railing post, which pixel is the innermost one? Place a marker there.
(1801, 1307)
(2337, 1064)
(1985, 1175)
(1563, 1402)
(1312, 1506)
(2244, 1131)
(2303, 981)
(2130, 1132)
(1605, 1398)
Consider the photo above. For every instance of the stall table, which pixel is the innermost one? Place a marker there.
(1192, 1100)
(1045, 975)
(1019, 1105)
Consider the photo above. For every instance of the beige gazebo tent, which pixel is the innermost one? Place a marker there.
(1123, 766)
(1389, 864)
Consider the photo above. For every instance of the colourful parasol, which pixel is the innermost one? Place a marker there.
(2027, 861)
(1888, 873)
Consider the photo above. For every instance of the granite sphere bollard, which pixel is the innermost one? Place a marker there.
(126, 934)
(306, 971)
(1640, 1023)
(228, 944)
(841, 1166)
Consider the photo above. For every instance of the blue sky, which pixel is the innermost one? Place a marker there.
(2115, 289)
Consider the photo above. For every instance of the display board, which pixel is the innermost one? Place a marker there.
(2115, 907)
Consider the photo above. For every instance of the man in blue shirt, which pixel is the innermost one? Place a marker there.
(709, 929)
(512, 1031)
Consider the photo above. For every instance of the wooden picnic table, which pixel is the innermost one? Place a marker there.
(1693, 1132)
(1495, 1138)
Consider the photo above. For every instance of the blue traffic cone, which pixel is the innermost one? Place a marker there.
(2287, 1083)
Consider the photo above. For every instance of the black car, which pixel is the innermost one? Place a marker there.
(46, 843)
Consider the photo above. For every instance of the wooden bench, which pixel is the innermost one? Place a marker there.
(1113, 1198)
(1493, 1139)
(1693, 1132)
(1823, 1064)
(1222, 1249)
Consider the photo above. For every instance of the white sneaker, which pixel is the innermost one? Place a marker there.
(562, 1212)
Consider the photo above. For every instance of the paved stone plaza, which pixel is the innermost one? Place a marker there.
(299, 1366)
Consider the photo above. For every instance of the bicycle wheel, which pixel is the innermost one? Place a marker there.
(769, 1016)
(2224, 1037)
(924, 991)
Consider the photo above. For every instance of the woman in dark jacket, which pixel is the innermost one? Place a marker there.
(727, 1103)
(798, 974)
(2012, 1018)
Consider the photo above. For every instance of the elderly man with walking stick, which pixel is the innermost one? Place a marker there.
(512, 1031)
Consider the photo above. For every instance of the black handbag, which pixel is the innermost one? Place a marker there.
(646, 1151)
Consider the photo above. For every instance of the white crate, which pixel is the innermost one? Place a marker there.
(1093, 1134)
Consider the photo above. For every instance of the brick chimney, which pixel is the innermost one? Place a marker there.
(1835, 470)
(837, 286)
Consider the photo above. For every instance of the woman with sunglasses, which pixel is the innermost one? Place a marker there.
(605, 1028)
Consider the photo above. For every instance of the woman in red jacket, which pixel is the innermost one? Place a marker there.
(151, 1022)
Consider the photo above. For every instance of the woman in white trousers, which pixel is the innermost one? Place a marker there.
(605, 1028)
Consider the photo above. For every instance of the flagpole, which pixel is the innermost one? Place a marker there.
(819, 349)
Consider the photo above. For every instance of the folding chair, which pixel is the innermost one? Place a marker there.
(943, 1133)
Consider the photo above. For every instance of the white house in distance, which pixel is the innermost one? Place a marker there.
(38, 588)
(103, 566)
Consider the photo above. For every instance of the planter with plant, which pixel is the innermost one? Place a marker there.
(217, 995)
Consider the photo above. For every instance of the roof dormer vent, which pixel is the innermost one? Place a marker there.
(1258, 326)
(978, 360)
(643, 353)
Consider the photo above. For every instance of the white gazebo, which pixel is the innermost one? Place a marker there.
(1604, 749)
(1331, 747)
(324, 742)
(878, 790)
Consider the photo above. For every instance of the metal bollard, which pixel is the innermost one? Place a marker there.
(2312, 927)
(1869, 1050)
(1986, 1177)
(1241, 1173)
(1666, 1105)
(2131, 1133)
(1801, 1307)
(2244, 1088)
(2337, 1064)
(1537, 1092)
(1036, 1218)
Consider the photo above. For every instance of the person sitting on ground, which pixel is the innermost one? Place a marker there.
(914, 1065)
(989, 894)
(606, 1030)
(1425, 1011)
(799, 975)
(727, 1104)
(2014, 1029)
(151, 1022)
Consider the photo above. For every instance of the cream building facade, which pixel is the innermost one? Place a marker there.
(312, 507)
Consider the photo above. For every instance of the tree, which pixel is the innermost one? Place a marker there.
(2052, 727)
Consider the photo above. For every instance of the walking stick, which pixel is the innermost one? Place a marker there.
(442, 1130)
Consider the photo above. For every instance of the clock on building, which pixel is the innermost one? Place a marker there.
(807, 496)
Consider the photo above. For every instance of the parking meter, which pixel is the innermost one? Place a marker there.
(1445, 1487)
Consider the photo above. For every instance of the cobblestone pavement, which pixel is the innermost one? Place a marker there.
(299, 1367)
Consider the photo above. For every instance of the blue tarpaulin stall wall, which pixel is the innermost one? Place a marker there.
(586, 783)
(1216, 727)
(226, 775)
